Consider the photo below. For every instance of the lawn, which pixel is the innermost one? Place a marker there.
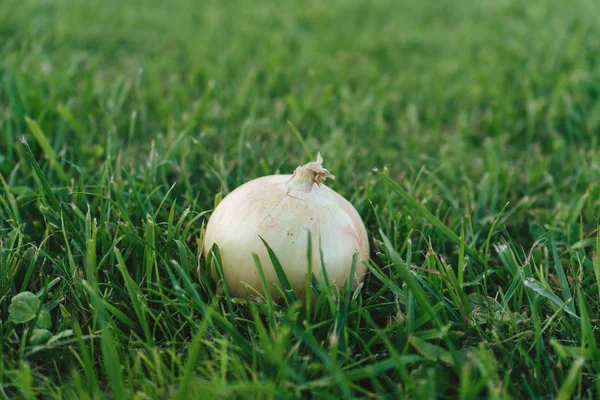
(466, 134)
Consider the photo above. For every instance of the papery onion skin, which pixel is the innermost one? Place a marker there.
(282, 209)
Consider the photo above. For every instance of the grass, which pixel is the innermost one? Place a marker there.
(123, 123)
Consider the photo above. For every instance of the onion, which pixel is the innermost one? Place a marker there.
(281, 209)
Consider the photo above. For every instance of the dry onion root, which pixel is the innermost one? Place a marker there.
(281, 209)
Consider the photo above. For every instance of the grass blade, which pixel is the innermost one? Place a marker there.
(265, 286)
(562, 278)
(301, 140)
(566, 391)
(432, 219)
(191, 362)
(288, 293)
(537, 287)
(136, 296)
(46, 147)
(112, 363)
(41, 178)
(407, 277)
(342, 317)
(216, 259)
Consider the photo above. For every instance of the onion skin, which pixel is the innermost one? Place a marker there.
(282, 209)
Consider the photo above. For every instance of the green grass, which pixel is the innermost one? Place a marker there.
(122, 123)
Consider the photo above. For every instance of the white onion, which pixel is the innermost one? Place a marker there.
(281, 209)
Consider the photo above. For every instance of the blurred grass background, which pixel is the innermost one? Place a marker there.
(469, 105)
